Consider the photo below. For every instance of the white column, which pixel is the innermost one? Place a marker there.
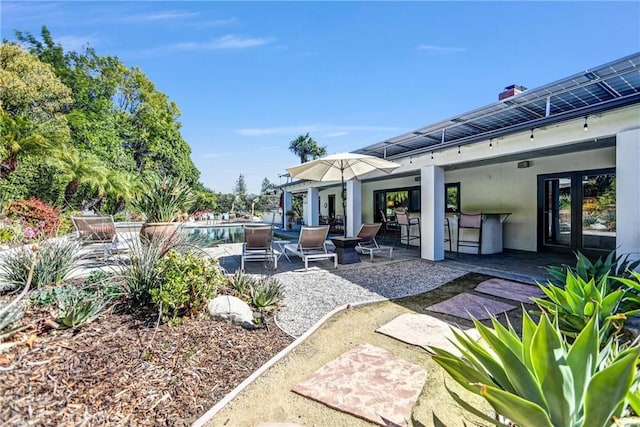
(287, 199)
(354, 207)
(432, 212)
(312, 213)
(628, 193)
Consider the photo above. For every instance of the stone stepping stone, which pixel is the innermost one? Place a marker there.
(510, 290)
(368, 382)
(466, 305)
(425, 331)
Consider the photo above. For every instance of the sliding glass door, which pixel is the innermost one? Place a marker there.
(577, 211)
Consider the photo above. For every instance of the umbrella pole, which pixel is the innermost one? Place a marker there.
(344, 206)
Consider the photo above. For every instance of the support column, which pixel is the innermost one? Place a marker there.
(354, 207)
(628, 193)
(432, 212)
(287, 199)
(312, 215)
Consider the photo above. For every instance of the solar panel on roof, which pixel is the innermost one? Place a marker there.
(590, 91)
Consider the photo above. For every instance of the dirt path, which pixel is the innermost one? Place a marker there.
(269, 398)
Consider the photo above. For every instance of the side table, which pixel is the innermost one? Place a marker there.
(346, 249)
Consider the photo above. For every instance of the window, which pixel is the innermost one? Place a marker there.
(452, 197)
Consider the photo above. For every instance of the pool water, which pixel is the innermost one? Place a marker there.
(216, 235)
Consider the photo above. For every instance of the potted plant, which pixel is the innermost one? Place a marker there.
(161, 200)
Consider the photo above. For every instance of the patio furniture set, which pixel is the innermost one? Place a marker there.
(313, 244)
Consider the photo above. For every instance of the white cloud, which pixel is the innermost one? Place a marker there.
(216, 23)
(227, 42)
(159, 16)
(330, 130)
(336, 134)
(439, 49)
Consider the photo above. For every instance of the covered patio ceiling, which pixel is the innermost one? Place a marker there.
(604, 88)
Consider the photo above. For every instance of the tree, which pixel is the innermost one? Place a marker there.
(269, 196)
(80, 168)
(33, 101)
(240, 195)
(304, 147)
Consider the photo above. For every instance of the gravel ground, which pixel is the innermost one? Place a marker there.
(312, 294)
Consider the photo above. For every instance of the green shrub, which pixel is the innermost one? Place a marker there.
(12, 311)
(611, 266)
(77, 307)
(187, 284)
(242, 283)
(141, 274)
(266, 294)
(55, 259)
(541, 380)
(578, 301)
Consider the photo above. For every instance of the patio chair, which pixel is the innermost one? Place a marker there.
(368, 244)
(257, 245)
(470, 223)
(312, 245)
(99, 231)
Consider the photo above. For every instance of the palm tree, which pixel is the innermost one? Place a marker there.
(20, 137)
(304, 147)
(80, 168)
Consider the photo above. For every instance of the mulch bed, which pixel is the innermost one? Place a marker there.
(125, 370)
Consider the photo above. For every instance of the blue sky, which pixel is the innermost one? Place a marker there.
(249, 77)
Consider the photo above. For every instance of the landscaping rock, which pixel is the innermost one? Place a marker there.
(231, 309)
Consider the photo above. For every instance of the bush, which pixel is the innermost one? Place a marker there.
(575, 303)
(77, 307)
(541, 380)
(187, 284)
(266, 294)
(611, 266)
(55, 259)
(35, 216)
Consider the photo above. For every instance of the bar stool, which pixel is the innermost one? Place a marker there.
(471, 221)
(405, 223)
(447, 232)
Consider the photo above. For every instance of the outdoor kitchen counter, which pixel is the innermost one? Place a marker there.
(491, 232)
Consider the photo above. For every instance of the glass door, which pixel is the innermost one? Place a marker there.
(599, 211)
(557, 212)
(577, 211)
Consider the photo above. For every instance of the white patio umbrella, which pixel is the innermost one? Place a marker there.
(343, 167)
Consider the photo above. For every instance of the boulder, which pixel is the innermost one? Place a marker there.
(231, 309)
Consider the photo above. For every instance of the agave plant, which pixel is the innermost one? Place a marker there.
(541, 380)
(80, 308)
(578, 301)
(266, 294)
(612, 266)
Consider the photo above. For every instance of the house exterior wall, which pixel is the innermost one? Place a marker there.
(505, 188)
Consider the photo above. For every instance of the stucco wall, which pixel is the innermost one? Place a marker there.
(505, 188)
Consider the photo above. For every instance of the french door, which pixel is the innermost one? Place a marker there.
(577, 211)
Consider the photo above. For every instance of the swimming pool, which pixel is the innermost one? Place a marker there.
(215, 234)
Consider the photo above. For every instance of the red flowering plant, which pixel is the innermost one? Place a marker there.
(36, 218)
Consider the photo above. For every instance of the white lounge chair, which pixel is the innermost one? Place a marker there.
(100, 231)
(368, 244)
(311, 245)
(257, 245)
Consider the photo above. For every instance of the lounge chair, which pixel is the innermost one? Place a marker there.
(98, 230)
(312, 245)
(257, 245)
(368, 244)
